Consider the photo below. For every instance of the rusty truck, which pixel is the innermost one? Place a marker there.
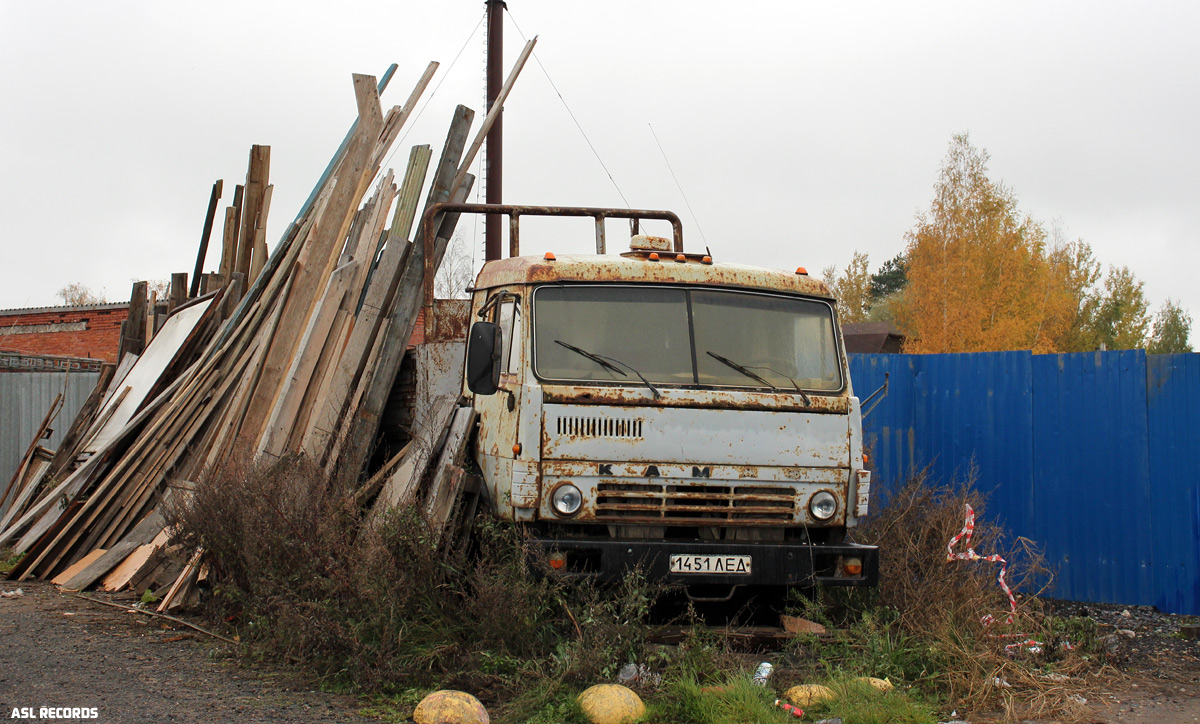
(667, 410)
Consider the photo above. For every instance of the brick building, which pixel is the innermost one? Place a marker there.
(92, 331)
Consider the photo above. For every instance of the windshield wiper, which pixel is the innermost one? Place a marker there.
(751, 374)
(609, 363)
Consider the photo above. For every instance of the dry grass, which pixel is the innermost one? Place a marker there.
(381, 606)
(940, 609)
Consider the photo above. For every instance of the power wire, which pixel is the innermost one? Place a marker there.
(400, 143)
(677, 184)
(572, 114)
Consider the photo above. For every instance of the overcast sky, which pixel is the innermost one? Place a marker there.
(799, 131)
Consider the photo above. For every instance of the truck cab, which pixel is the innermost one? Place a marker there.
(670, 411)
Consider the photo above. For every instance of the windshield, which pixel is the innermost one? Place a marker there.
(681, 336)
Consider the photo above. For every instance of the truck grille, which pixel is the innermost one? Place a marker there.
(599, 427)
(696, 504)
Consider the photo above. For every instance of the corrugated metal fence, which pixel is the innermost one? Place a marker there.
(25, 398)
(1092, 455)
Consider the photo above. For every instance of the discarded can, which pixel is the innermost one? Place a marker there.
(762, 673)
(793, 710)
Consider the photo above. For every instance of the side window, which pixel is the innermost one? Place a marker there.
(513, 357)
(508, 317)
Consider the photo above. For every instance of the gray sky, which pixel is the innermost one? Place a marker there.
(799, 131)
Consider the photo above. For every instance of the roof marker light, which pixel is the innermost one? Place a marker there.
(801, 270)
(653, 256)
(681, 258)
(706, 260)
(549, 256)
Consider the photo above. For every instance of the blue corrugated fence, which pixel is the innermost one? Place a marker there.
(1093, 455)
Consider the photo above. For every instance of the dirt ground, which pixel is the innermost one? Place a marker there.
(60, 651)
(1161, 670)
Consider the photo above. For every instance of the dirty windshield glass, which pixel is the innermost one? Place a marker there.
(678, 336)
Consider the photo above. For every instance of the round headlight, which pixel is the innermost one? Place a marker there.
(566, 499)
(822, 505)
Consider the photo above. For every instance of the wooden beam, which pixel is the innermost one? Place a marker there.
(145, 531)
(283, 417)
(322, 248)
(229, 241)
(133, 331)
(205, 235)
(257, 179)
(381, 288)
(493, 113)
(362, 424)
(258, 260)
(448, 475)
(179, 291)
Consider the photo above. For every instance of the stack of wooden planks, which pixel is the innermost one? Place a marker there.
(295, 353)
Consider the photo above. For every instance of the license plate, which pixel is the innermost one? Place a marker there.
(734, 565)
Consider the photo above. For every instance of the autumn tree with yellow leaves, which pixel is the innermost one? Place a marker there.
(851, 288)
(982, 275)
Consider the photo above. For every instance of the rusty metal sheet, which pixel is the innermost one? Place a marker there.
(714, 437)
(773, 474)
(713, 399)
(449, 322)
(586, 268)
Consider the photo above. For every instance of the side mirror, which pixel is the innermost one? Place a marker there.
(483, 358)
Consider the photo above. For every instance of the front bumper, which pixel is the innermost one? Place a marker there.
(773, 564)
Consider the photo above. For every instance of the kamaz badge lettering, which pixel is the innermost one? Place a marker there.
(651, 472)
(605, 469)
(701, 472)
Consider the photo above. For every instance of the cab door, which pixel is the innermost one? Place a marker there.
(500, 413)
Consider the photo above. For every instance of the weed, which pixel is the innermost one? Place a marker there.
(939, 627)
(382, 609)
(9, 560)
(733, 700)
(858, 702)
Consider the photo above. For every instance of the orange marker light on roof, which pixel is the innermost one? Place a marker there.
(681, 258)
(706, 260)
(653, 256)
(549, 256)
(801, 270)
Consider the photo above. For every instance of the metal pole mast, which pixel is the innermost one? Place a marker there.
(494, 172)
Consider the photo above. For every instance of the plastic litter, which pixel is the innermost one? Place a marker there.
(762, 673)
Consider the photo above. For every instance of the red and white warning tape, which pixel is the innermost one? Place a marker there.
(964, 535)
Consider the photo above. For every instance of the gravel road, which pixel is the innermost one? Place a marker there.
(61, 652)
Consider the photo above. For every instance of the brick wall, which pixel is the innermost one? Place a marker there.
(93, 331)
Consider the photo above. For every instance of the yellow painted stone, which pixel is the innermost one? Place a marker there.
(882, 685)
(450, 707)
(809, 694)
(611, 704)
